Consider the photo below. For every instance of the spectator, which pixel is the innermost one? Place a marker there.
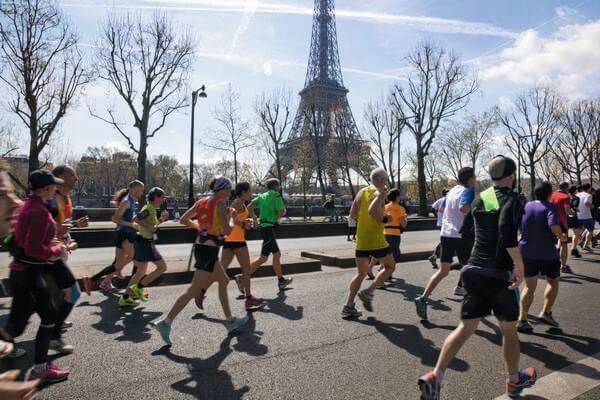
(351, 228)
(329, 206)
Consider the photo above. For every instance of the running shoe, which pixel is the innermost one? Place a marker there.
(88, 285)
(238, 281)
(128, 302)
(429, 386)
(524, 326)
(254, 303)
(350, 311)
(433, 260)
(16, 353)
(566, 270)
(370, 276)
(67, 325)
(421, 304)
(284, 283)
(546, 317)
(52, 374)
(587, 248)
(200, 301)
(527, 378)
(235, 323)
(456, 266)
(460, 291)
(367, 299)
(139, 292)
(575, 253)
(61, 347)
(107, 287)
(164, 329)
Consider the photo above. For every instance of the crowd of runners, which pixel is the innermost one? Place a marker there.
(498, 239)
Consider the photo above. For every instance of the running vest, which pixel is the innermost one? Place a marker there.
(206, 214)
(238, 233)
(369, 232)
(128, 215)
(64, 208)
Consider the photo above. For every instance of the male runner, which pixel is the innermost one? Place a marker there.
(562, 201)
(212, 224)
(438, 210)
(145, 250)
(539, 230)
(458, 205)
(574, 224)
(584, 215)
(32, 245)
(491, 279)
(368, 210)
(270, 208)
(61, 208)
(126, 234)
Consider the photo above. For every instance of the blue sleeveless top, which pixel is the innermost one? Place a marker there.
(128, 215)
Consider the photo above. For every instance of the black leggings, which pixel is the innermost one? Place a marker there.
(31, 294)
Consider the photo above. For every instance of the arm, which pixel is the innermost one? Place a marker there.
(376, 206)
(281, 211)
(403, 219)
(224, 217)
(508, 226)
(117, 217)
(37, 230)
(466, 200)
(355, 206)
(186, 218)
(252, 214)
(519, 270)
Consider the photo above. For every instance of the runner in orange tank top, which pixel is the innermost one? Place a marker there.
(213, 222)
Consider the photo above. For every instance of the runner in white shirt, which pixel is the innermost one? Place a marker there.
(584, 215)
(438, 208)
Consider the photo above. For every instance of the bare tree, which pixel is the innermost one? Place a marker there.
(532, 127)
(233, 135)
(274, 117)
(9, 141)
(464, 144)
(318, 142)
(384, 131)
(573, 138)
(592, 148)
(438, 87)
(348, 148)
(43, 67)
(148, 64)
(550, 169)
(434, 171)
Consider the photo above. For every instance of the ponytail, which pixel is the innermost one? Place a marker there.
(120, 195)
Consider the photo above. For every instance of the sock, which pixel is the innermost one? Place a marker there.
(547, 309)
(514, 378)
(522, 315)
(349, 304)
(281, 279)
(439, 374)
(230, 318)
(107, 270)
(167, 321)
(140, 285)
(40, 368)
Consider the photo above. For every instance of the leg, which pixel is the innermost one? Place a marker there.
(511, 346)
(576, 239)
(200, 280)
(550, 293)
(243, 257)
(436, 279)
(564, 253)
(455, 341)
(277, 265)
(362, 266)
(140, 271)
(222, 279)
(388, 269)
(226, 257)
(256, 264)
(527, 296)
(161, 267)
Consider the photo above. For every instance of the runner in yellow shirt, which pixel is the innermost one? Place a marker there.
(368, 210)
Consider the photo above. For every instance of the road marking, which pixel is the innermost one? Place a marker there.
(567, 383)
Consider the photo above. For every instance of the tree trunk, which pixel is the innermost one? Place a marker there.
(34, 156)
(422, 182)
(235, 169)
(533, 179)
(142, 158)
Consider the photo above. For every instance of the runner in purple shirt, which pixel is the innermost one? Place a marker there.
(540, 228)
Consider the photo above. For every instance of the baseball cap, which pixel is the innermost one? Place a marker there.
(41, 178)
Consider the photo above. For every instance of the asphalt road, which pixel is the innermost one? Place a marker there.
(176, 252)
(300, 348)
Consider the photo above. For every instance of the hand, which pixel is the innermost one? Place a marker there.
(63, 249)
(63, 229)
(135, 226)
(517, 277)
(72, 245)
(11, 390)
(164, 216)
(5, 349)
(82, 222)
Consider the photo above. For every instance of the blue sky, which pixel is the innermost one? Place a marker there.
(263, 45)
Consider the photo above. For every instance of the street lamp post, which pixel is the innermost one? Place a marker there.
(195, 94)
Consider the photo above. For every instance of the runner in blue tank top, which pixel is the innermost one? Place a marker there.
(126, 232)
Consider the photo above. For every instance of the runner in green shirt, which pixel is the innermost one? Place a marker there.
(270, 207)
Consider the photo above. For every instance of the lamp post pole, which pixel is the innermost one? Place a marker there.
(195, 94)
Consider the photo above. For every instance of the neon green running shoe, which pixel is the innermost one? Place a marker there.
(128, 302)
(139, 292)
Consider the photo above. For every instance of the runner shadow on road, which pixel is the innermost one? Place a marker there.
(409, 338)
(134, 327)
(571, 278)
(278, 306)
(248, 338)
(410, 292)
(206, 380)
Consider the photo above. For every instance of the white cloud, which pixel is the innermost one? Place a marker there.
(428, 24)
(568, 14)
(568, 59)
(250, 7)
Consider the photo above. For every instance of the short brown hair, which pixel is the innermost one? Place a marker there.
(272, 183)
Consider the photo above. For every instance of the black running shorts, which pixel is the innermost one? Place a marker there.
(269, 245)
(455, 247)
(573, 222)
(121, 237)
(487, 292)
(234, 245)
(206, 257)
(145, 251)
(62, 275)
(377, 253)
(549, 268)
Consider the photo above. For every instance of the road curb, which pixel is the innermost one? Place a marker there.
(349, 262)
(183, 277)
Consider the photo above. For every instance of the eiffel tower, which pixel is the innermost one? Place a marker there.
(324, 125)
